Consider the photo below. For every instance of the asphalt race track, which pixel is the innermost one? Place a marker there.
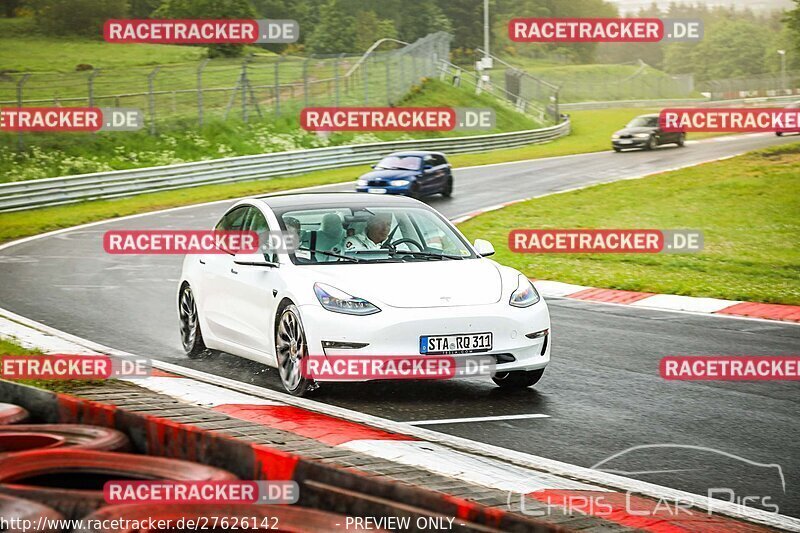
(602, 391)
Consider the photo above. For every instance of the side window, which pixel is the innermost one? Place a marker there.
(429, 161)
(440, 160)
(257, 221)
(233, 220)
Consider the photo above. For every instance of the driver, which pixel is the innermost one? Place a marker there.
(375, 233)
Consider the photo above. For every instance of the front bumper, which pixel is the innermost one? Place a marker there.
(629, 143)
(397, 331)
(387, 189)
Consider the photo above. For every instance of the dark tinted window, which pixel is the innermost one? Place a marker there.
(233, 219)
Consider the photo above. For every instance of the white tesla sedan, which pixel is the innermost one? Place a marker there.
(373, 276)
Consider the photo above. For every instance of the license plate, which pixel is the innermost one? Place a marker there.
(377, 191)
(625, 141)
(449, 344)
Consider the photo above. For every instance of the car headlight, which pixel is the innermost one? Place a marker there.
(641, 135)
(399, 183)
(338, 301)
(525, 294)
(362, 183)
(615, 136)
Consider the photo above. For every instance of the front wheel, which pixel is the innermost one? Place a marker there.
(681, 140)
(519, 379)
(191, 336)
(291, 348)
(779, 133)
(651, 143)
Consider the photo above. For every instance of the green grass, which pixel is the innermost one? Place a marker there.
(10, 347)
(591, 132)
(746, 206)
(21, 49)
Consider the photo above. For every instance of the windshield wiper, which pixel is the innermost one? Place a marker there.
(427, 255)
(329, 254)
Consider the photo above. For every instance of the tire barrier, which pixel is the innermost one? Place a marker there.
(13, 510)
(71, 481)
(12, 414)
(23, 437)
(285, 518)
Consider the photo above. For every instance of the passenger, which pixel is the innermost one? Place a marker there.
(329, 237)
(376, 232)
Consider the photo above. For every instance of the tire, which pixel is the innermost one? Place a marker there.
(519, 379)
(415, 194)
(289, 518)
(14, 510)
(23, 437)
(12, 414)
(617, 149)
(191, 336)
(779, 133)
(681, 142)
(447, 192)
(652, 143)
(71, 481)
(290, 349)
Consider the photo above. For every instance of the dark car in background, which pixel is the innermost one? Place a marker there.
(413, 174)
(793, 105)
(645, 132)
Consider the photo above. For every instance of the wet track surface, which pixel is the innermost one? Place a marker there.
(602, 391)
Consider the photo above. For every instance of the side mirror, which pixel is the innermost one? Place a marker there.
(484, 248)
(427, 167)
(373, 166)
(253, 260)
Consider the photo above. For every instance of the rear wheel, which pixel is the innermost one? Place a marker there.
(779, 133)
(191, 336)
(448, 188)
(291, 348)
(519, 379)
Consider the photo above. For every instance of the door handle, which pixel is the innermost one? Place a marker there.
(202, 262)
(234, 271)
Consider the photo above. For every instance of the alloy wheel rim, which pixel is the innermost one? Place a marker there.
(291, 349)
(188, 315)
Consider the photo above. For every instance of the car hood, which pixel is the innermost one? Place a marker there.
(417, 284)
(389, 174)
(631, 131)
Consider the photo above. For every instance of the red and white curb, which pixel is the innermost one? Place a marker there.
(524, 476)
(671, 302)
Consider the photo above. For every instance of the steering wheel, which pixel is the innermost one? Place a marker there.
(393, 245)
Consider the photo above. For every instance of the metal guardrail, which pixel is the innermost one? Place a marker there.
(30, 194)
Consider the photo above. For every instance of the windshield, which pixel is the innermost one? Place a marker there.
(400, 162)
(643, 122)
(359, 234)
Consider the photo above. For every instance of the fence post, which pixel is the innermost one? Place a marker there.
(336, 76)
(243, 84)
(200, 91)
(388, 80)
(151, 99)
(94, 73)
(20, 83)
(278, 87)
(305, 82)
(366, 81)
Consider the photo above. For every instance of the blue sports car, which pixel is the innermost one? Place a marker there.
(413, 174)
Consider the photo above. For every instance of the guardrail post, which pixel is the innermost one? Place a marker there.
(151, 99)
(200, 91)
(20, 84)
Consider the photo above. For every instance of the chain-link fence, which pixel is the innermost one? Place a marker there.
(241, 89)
(779, 84)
